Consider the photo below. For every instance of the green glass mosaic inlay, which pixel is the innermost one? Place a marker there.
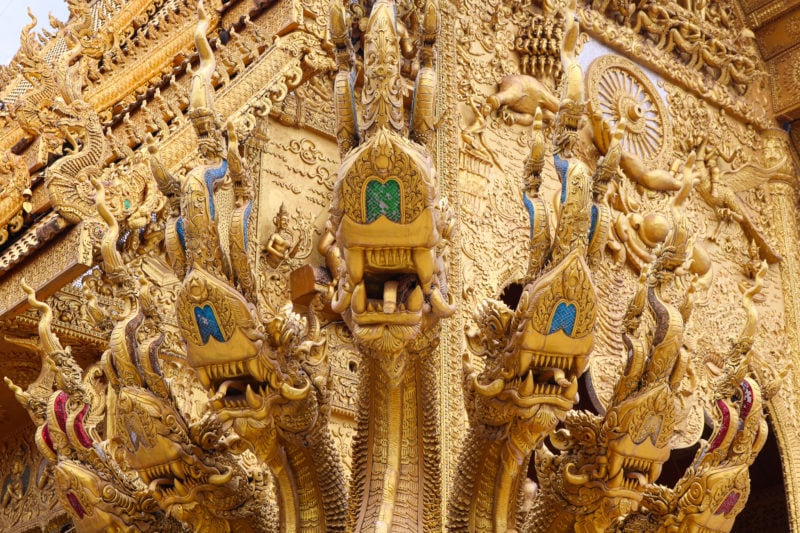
(383, 199)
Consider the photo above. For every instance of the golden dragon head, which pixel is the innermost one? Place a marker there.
(386, 221)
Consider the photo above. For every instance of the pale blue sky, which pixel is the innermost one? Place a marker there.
(14, 15)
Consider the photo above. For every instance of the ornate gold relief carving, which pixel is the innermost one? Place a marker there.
(272, 316)
(620, 90)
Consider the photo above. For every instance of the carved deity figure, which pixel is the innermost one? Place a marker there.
(13, 491)
(279, 246)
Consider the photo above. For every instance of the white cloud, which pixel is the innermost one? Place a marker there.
(14, 15)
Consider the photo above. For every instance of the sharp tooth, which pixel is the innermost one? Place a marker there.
(389, 297)
(572, 391)
(359, 302)
(223, 389)
(560, 378)
(341, 299)
(180, 488)
(252, 399)
(202, 373)
(616, 481)
(274, 380)
(415, 300)
(655, 471)
(257, 369)
(177, 469)
(401, 307)
(580, 364)
(615, 464)
(371, 306)
(525, 358)
(526, 389)
(441, 308)
(423, 264)
(354, 259)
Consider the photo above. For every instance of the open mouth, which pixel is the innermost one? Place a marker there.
(253, 367)
(378, 297)
(631, 474)
(180, 481)
(242, 392)
(539, 378)
(391, 285)
(246, 385)
(551, 373)
(238, 385)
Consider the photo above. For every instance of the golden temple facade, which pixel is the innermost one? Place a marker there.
(401, 265)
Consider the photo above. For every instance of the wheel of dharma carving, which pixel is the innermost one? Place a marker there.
(619, 89)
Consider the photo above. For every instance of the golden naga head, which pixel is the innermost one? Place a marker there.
(97, 504)
(612, 459)
(639, 423)
(234, 350)
(716, 487)
(386, 222)
(539, 351)
(185, 464)
(156, 442)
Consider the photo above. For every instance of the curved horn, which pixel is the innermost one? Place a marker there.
(26, 39)
(202, 92)
(574, 478)
(112, 259)
(489, 391)
(50, 343)
(294, 393)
